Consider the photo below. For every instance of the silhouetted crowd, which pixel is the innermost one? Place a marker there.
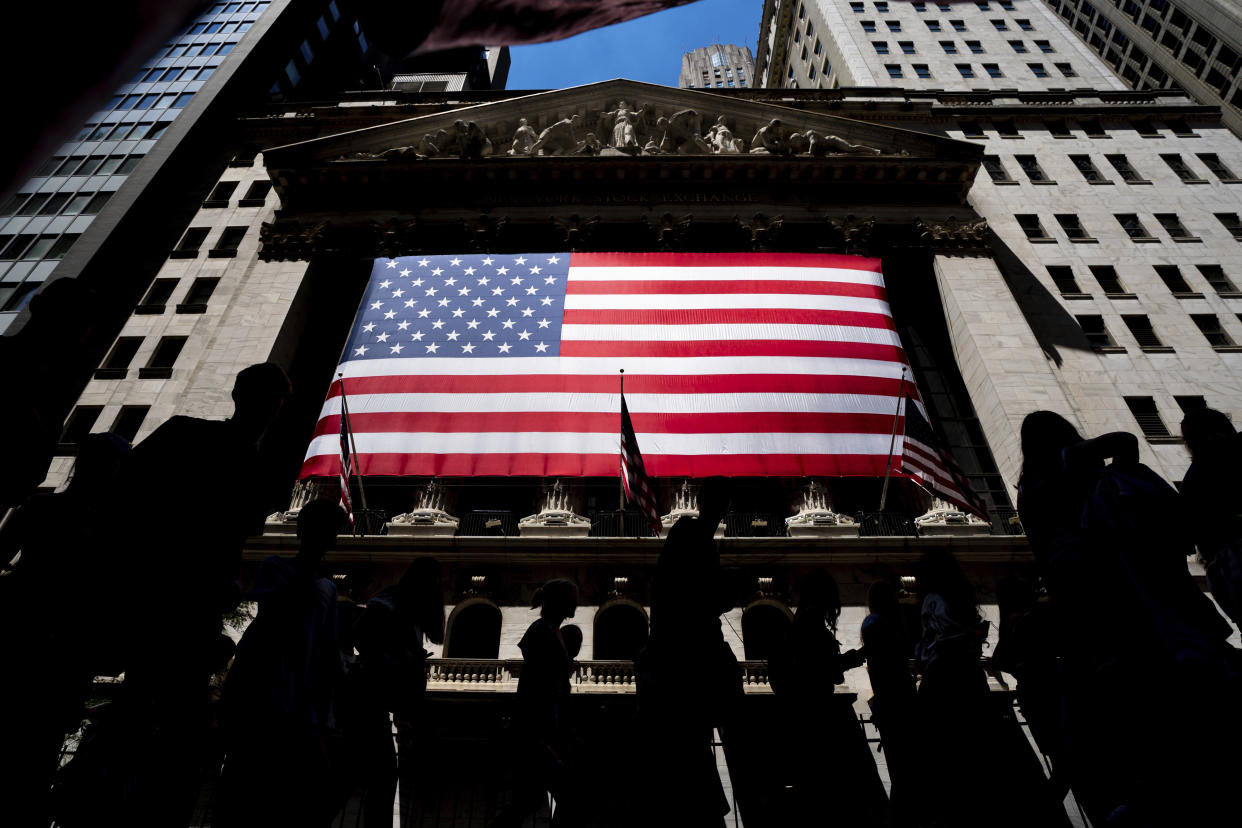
(1125, 677)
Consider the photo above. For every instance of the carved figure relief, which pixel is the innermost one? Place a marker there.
(559, 138)
(524, 137)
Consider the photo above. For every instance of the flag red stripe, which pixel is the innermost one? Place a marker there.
(637, 384)
(601, 422)
(703, 288)
(682, 260)
(727, 316)
(605, 465)
(737, 347)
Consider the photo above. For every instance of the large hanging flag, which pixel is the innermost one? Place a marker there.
(767, 364)
(933, 466)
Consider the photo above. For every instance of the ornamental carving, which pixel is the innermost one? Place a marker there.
(482, 233)
(954, 235)
(668, 229)
(575, 229)
(854, 233)
(291, 240)
(761, 229)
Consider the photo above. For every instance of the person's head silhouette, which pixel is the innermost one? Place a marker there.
(318, 523)
(259, 393)
(423, 594)
(1204, 428)
(1045, 434)
(556, 600)
(820, 599)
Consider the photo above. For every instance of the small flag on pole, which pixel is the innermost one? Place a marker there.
(634, 474)
(924, 460)
(347, 502)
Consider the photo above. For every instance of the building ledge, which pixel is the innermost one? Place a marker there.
(1191, 295)
(1227, 349)
(148, 310)
(1108, 349)
(110, 373)
(196, 307)
(1167, 440)
(1121, 295)
(1157, 349)
(154, 373)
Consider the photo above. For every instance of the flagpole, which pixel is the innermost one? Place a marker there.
(892, 440)
(353, 446)
(621, 458)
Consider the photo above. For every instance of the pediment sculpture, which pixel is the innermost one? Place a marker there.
(622, 129)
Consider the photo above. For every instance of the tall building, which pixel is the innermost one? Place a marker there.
(1195, 45)
(161, 130)
(718, 66)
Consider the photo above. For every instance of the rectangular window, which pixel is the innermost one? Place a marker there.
(42, 245)
(182, 100)
(893, 69)
(1038, 70)
(1231, 223)
(157, 296)
(972, 129)
(893, 25)
(1066, 70)
(117, 362)
(77, 427)
(54, 204)
(907, 47)
(975, 47)
(1209, 325)
(933, 25)
(1218, 167)
(950, 48)
(1133, 227)
(881, 47)
(1181, 169)
(1147, 416)
(1145, 128)
(1044, 46)
(129, 421)
(1215, 276)
(229, 241)
(61, 247)
(965, 70)
(881, 8)
(1029, 222)
(220, 195)
(1024, 25)
(162, 359)
(16, 245)
(1172, 277)
(1018, 46)
(1190, 403)
(1073, 228)
(1180, 128)
(995, 168)
(922, 71)
(856, 8)
(256, 195)
(34, 205)
(1007, 129)
(1093, 329)
(1140, 327)
(14, 296)
(14, 204)
(1033, 171)
(1122, 165)
(188, 247)
(958, 26)
(1000, 25)
(1063, 278)
(200, 291)
(1086, 166)
(95, 204)
(1106, 276)
(993, 70)
(1174, 227)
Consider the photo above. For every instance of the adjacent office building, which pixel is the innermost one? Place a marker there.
(1195, 45)
(717, 66)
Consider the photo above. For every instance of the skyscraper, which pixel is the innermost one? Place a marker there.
(717, 66)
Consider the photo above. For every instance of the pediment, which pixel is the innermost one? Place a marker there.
(616, 118)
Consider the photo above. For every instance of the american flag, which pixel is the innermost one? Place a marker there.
(736, 364)
(634, 474)
(347, 501)
(924, 459)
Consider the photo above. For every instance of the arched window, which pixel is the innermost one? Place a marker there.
(473, 630)
(620, 631)
(764, 626)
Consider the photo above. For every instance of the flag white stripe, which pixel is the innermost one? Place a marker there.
(730, 332)
(719, 301)
(638, 403)
(652, 366)
(541, 442)
(720, 274)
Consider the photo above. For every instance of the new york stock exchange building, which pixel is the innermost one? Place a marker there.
(792, 281)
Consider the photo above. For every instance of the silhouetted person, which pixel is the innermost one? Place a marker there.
(194, 489)
(830, 776)
(1138, 637)
(57, 618)
(1027, 650)
(887, 649)
(388, 686)
(41, 364)
(280, 689)
(541, 761)
(1212, 493)
(571, 636)
(688, 680)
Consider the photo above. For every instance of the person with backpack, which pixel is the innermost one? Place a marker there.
(387, 686)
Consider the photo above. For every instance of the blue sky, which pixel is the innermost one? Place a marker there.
(647, 49)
